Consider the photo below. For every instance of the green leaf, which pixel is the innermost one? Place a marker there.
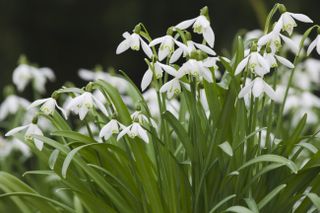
(270, 196)
(239, 209)
(315, 200)
(271, 158)
(222, 202)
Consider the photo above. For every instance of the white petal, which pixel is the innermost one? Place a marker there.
(16, 130)
(176, 55)
(123, 132)
(318, 45)
(209, 36)
(291, 44)
(312, 46)
(241, 65)
(143, 134)
(245, 90)
(263, 63)
(123, 46)
(163, 53)
(38, 144)
(126, 35)
(38, 102)
(206, 73)
(100, 105)
(264, 39)
(86, 75)
(166, 86)
(270, 92)
(157, 41)
(64, 113)
(205, 49)
(146, 49)
(258, 87)
(146, 79)
(301, 17)
(185, 24)
(170, 70)
(284, 61)
(83, 112)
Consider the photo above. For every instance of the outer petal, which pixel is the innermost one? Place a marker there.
(206, 73)
(146, 49)
(241, 65)
(263, 62)
(318, 44)
(16, 130)
(258, 87)
(284, 61)
(301, 17)
(204, 48)
(209, 36)
(83, 112)
(245, 90)
(176, 55)
(312, 46)
(123, 46)
(143, 134)
(185, 24)
(170, 70)
(38, 103)
(264, 39)
(157, 41)
(38, 144)
(290, 43)
(270, 92)
(163, 53)
(64, 113)
(146, 79)
(166, 86)
(123, 132)
(100, 105)
(86, 75)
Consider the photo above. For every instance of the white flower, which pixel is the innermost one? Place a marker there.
(172, 88)
(187, 49)
(133, 41)
(134, 130)
(166, 46)
(273, 40)
(119, 83)
(287, 22)
(11, 105)
(83, 103)
(199, 69)
(201, 25)
(112, 127)
(24, 74)
(314, 44)
(32, 129)
(255, 63)
(273, 60)
(48, 106)
(257, 87)
(148, 75)
(253, 34)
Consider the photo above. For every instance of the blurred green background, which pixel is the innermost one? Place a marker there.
(70, 34)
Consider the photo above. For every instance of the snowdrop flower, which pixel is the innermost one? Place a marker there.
(112, 127)
(32, 129)
(119, 83)
(48, 106)
(172, 87)
(255, 63)
(253, 34)
(11, 105)
(314, 44)
(5, 148)
(166, 46)
(257, 87)
(187, 49)
(273, 40)
(287, 22)
(134, 130)
(273, 60)
(199, 69)
(22, 75)
(201, 25)
(312, 67)
(156, 70)
(133, 41)
(83, 103)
